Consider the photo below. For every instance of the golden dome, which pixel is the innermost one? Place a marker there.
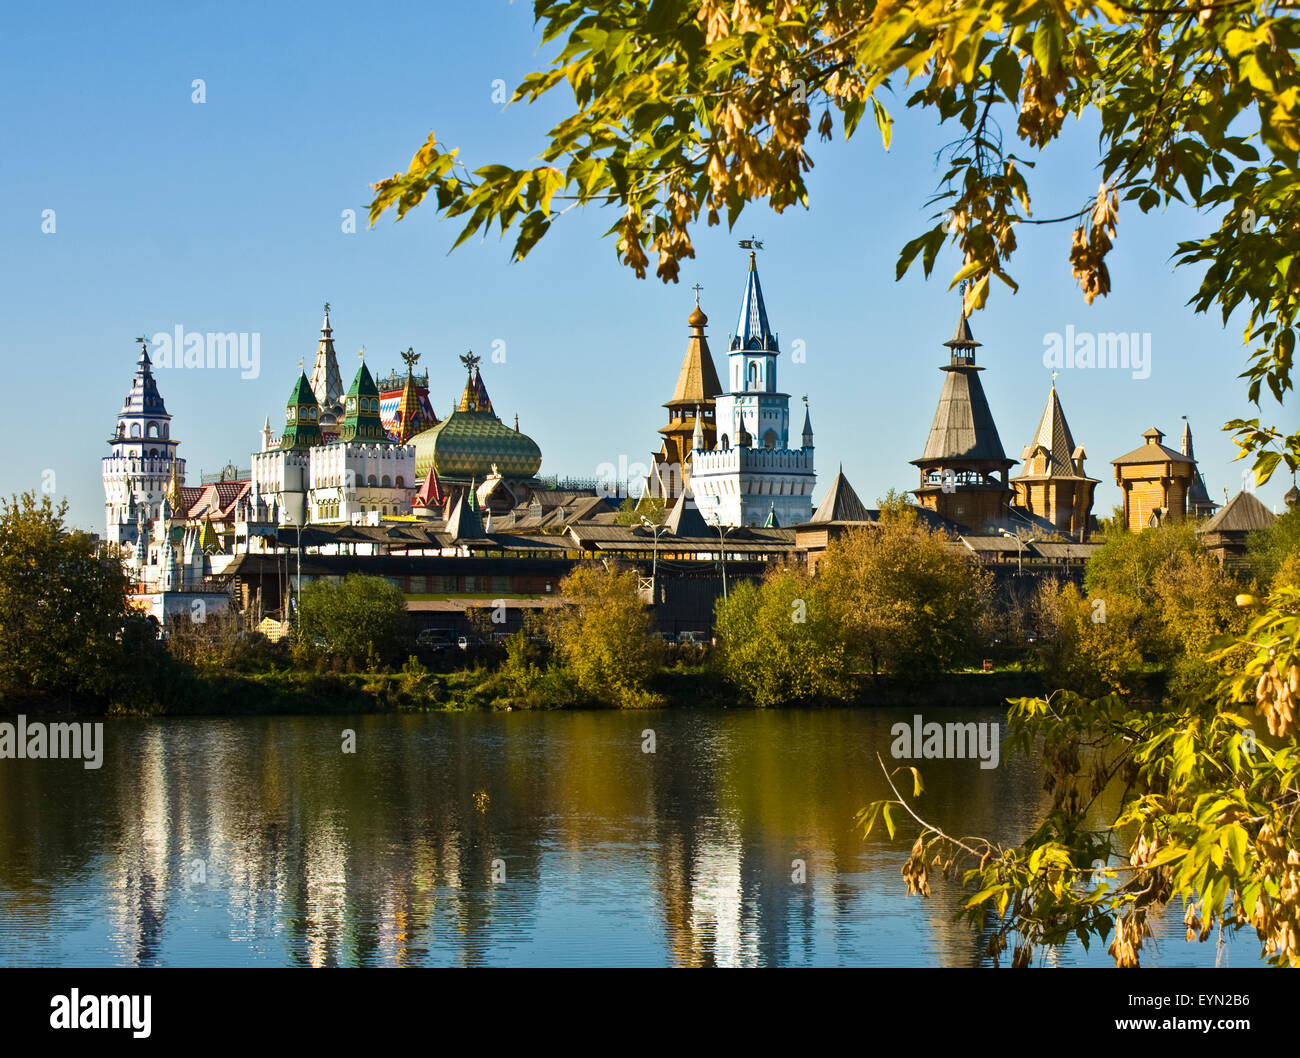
(697, 317)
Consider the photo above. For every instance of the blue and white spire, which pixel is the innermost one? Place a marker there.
(752, 330)
(754, 475)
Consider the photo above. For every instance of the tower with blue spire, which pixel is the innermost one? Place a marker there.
(143, 461)
(754, 473)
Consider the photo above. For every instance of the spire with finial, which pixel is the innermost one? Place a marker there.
(410, 416)
(326, 382)
(752, 329)
(807, 424)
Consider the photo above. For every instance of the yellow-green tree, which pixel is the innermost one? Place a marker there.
(909, 602)
(604, 634)
(781, 642)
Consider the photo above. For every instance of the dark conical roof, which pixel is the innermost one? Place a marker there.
(963, 427)
(962, 338)
(685, 519)
(841, 503)
(1242, 514)
(463, 523)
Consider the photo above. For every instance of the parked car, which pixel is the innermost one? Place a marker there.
(432, 639)
(691, 637)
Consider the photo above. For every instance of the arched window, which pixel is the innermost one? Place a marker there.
(371, 481)
(312, 413)
(166, 432)
(753, 374)
(726, 443)
(401, 481)
(135, 429)
(387, 482)
(769, 439)
(152, 430)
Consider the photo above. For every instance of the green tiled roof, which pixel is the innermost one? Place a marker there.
(469, 443)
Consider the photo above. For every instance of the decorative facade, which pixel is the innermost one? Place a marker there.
(752, 470)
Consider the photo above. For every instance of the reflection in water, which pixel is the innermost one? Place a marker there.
(472, 839)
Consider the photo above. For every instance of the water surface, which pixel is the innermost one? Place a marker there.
(501, 839)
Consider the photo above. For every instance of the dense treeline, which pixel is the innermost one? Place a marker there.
(890, 602)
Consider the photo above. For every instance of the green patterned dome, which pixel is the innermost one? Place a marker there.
(467, 444)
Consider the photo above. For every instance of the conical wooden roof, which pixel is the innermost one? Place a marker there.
(963, 429)
(841, 503)
(697, 381)
(1242, 514)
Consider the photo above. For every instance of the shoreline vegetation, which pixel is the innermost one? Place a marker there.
(894, 615)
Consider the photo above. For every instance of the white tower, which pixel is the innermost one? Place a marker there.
(754, 472)
(143, 456)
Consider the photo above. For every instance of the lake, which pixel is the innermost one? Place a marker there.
(503, 839)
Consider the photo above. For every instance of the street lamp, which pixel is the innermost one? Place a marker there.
(655, 530)
(722, 550)
(1020, 546)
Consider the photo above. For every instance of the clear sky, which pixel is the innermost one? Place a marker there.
(226, 216)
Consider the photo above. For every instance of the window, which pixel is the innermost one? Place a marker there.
(401, 481)
(753, 375)
(135, 429)
(769, 439)
(726, 442)
(386, 482)
(371, 481)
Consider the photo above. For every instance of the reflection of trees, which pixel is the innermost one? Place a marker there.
(384, 857)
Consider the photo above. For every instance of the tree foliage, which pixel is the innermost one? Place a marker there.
(907, 601)
(358, 619)
(605, 635)
(1158, 593)
(682, 111)
(781, 641)
(1200, 807)
(65, 627)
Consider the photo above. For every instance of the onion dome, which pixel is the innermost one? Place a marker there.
(472, 439)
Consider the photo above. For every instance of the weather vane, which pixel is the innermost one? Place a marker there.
(327, 308)
(144, 343)
(752, 243)
(410, 357)
(470, 361)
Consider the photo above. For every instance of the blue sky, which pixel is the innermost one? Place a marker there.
(226, 216)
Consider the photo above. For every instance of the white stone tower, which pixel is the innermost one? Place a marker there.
(753, 471)
(138, 471)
